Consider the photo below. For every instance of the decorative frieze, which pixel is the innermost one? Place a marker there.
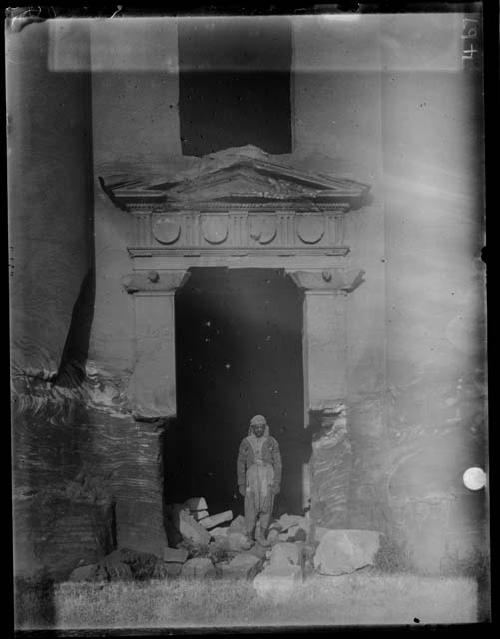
(243, 204)
(273, 230)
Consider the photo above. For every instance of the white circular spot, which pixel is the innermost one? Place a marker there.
(474, 478)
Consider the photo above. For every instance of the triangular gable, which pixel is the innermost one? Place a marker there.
(245, 178)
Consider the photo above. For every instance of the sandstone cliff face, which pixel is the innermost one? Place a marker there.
(437, 430)
(87, 476)
(330, 466)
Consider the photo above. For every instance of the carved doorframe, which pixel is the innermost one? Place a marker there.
(303, 237)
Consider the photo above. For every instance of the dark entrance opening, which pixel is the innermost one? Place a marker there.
(239, 353)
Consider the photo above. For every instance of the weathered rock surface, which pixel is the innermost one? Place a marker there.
(277, 582)
(330, 467)
(243, 566)
(216, 520)
(175, 555)
(192, 530)
(198, 568)
(344, 551)
(195, 503)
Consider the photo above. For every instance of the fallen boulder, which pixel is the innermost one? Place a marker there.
(277, 582)
(287, 521)
(92, 572)
(299, 535)
(273, 536)
(285, 554)
(143, 565)
(243, 566)
(238, 525)
(259, 551)
(198, 568)
(216, 520)
(238, 541)
(344, 551)
(175, 555)
(195, 503)
(220, 531)
(173, 569)
(319, 532)
(118, 571)
(192, 530)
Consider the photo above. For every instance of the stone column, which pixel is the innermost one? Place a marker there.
(324, 349)
(152, 398)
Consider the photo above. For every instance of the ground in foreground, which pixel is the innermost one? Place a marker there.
(359, 598)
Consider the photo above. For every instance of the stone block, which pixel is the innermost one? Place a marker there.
(199, 514)
(192, 530)
(196, 503)
(219, 531)
(243, 566)
(344, 551)
(198, 568)
(299, 535)
(288, 521)
(216, 520)
(277, 582)
(273, 536)
(175, 555)
(319, 532)
(238, 541)
(238, 525)
(173, 569)
(92, 572)
(285, 554)
(259, 551)
(118, 571)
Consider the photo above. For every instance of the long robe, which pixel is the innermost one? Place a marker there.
(259, 472)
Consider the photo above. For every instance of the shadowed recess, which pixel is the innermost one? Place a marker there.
(239, 353)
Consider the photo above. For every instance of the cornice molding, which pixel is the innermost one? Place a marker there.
(155, 282)
(334, 280)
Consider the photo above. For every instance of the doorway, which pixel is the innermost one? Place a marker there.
(239, 353)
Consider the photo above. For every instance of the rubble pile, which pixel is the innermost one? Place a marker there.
(204, 545)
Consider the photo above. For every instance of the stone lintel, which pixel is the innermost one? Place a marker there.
(333, 280)
(155, 282)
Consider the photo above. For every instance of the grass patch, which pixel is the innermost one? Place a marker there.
(359, 598)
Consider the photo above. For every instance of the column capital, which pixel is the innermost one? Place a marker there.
(155, 282)
(333, 280)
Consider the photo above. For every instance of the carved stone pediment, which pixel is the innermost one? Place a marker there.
(247, 181)
(242, 205)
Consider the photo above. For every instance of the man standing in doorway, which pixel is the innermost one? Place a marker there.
(259, 477)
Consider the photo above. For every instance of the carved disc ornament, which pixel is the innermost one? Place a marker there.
(310, 228)
(215, 228)
(262, 228)
(167, 230)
